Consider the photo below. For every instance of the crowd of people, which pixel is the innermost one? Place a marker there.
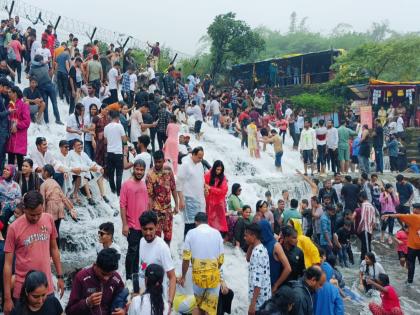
(295, 248)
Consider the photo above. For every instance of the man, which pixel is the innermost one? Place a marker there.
(292, 213)
(106, 237)
(73, 47)
(364, 150)
(95, 288)
(195, 111)
(6, 71)
(74, 84)
(413, 222)
(63, 68)
(33, 97)
(45, 52)
(155, 54)
(190, 187)
(133, 202)
(326, 238)
(153, 250)
(278, 147)
(366, 224)
(400, 127)
(277, 214)
(321, 144)
(30, 245)
(307, 147)
(203, 246)
(259, 285)
(163, 119)
(366, 186)
(405, 193)
(215, 111)
(113, 79)
(288, 240)
(332, 145)
(94, 73)
(142, 143)
(160, 186)
(378, 144)
(344, 135)
(349, 194)
(126, 92)
(114, 135)
(328, 190)
(4, 123)
(317, 212)
(39, 71)
(90, 99)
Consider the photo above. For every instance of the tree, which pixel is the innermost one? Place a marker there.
(317, 103)
(231, 40)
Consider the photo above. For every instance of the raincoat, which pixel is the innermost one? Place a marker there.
(18, 141)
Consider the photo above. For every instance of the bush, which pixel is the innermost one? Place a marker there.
(317, 103)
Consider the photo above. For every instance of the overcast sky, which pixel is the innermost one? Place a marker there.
(179, 24)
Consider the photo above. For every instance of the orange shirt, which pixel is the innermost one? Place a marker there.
(58, 51)
(413, 222)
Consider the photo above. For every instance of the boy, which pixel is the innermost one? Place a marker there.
(344, 246)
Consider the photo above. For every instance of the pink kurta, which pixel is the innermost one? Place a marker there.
(171, 145)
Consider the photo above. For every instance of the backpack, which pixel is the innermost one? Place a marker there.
(11, 55)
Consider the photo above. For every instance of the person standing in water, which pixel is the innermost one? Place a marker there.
(275, 139)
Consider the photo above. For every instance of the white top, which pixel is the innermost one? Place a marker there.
(147, 158)
(373, 271)
(204, 242)
(300, 122)
(140, 305)
(321, 131)
(104, 93)
(83, 162)
(288, 112)
(35, 46)
(112, 78)
(332, 138)
(44, 52)
(195, 112)
(152, 88)
(215, 107)
(155, 252)
(190, 179)
(87, 101)
(133, 81)
(400, 124)
(113, 133)
(72, 124)
(392, 127)
(151, 73)
(135, 127)
(307, 139)
(42, 160)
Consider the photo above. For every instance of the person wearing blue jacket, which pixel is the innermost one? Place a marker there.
(327, 299)
(326, 237)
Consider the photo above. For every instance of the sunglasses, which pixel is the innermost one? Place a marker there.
(102, 233)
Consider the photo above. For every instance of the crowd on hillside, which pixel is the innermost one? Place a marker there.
(120, 119)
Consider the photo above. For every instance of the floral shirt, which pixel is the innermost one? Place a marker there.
(259, 275)
(160, 185)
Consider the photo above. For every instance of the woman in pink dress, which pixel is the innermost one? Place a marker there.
(170, 149)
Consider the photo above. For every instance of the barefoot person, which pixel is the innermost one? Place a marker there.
(275, 139)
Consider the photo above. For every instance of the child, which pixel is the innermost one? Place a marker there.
(343, 235)
(252, 139)
(269, 200)
(402, 238)
(390, 300)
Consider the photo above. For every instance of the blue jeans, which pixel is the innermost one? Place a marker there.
(88, 148)
(216, 120)
(48, 90)
(379, 159)
(364, 164)
(343, 255)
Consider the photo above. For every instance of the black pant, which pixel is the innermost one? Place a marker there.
(19, 158)
(3, 141)
(321, 159)
(161, 136)
(393, 161)
(57, 227)
(365, 239)
(115, 165)
(411, 262)
(62, 85)
(283, 134)
(132, 258)
(187, 227)
(72, 102)
(152, 138)
(17, 67)
(114, 96)
(332, 153)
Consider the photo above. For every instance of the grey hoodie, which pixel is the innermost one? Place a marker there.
(40, 72)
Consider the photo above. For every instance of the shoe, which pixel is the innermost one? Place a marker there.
(408, 284)
(59, 122)
(91, 202)
(105, 199)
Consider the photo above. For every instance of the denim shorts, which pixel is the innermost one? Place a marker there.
(277, 159)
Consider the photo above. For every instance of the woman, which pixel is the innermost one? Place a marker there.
(90, 143)
(171, 144)
(10, 193)
(235, 206)
(390, 300)
(98, 124)
(262, 212)
(27, 179)
(279, 264)
(75, 124)
(16, 48)
(239, 228)
(369, 270)
(20, 119)
(125, 118)
(54, 199)
(151, 301)
(34, 298)
(382, 115)
(389, 202)
(215, 190)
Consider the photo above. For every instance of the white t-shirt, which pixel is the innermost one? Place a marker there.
(155, 252)
(147, 158)
(44, 52)
(400, 124)
(87, 101)
(113, 133)
(35, 46)
(112, 78)
(215, 107)
(392, 127)
(140, 305)
(133, 81)
(72, 124)
(288, 112)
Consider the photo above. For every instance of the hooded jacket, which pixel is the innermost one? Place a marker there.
(4, 121)
(327, 299)
(304, 298)
(40, 72)
(268, 240)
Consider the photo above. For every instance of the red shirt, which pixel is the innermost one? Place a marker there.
(242, 116)
(390, 299)
(134, 199)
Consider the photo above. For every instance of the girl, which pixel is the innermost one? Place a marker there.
(390, 300)
(216, 188)
(262, 212)
(27, 178)
(389, 201)
(75, 124)
(151, 301)
(54, 199)
(239, 228)
(34, 298)
(170, 148)
(90, 143)
(402, 239)
(20, 119)
(369, 270)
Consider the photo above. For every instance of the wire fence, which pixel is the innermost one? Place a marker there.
(38, 16)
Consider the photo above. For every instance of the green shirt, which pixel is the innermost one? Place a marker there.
(95, 69)
(234, 203)
(344, 135)
(291, 214)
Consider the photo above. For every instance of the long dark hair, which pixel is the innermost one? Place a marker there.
(213, 174)
(154, 287)
(33, 280)
(77, 113)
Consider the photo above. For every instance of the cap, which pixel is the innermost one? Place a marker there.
(63, 143)
(416, 205)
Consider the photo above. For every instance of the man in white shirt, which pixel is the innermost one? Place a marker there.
(215, 111)
(89, 100)
(149, 73)
(332, 146)
(114, 137)
(288, 112)
(142, 143)
(44, 52)
(154, 250)
(83, 168)
(190, 187)
(113, 78)
(400, 126)
(321, 144)
(195, 111)
(307, 146)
